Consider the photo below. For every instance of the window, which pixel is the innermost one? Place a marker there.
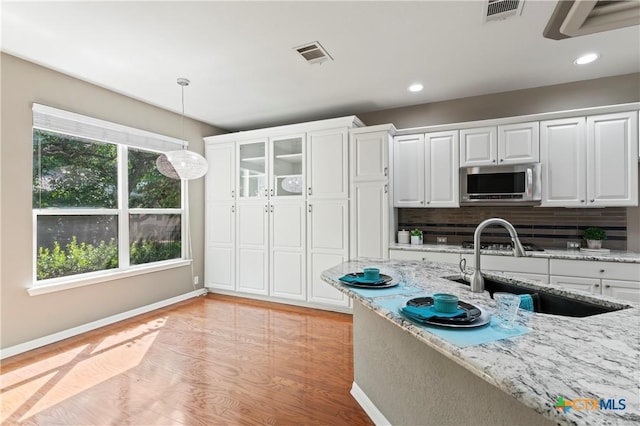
(99, 202)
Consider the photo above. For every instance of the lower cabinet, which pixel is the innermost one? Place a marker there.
(220, 246)
(370, 219)
(252, 247)
(425, 256)
(533, 268)
(327, 246)
(618, 280)
(287, 225)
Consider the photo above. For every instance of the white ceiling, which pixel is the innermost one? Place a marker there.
(244, 73)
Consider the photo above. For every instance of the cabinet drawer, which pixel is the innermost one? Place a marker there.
(510, 264)
(591, 269)
(424, 256)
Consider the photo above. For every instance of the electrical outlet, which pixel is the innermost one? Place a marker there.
(196, 280)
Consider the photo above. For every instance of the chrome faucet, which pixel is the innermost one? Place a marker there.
(476, 280)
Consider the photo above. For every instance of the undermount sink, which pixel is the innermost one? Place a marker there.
(547, 303)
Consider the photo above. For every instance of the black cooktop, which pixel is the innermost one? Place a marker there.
(492, 245)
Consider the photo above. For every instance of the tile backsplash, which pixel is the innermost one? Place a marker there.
(545, 227)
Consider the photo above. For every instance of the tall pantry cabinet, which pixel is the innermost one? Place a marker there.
(280, 208)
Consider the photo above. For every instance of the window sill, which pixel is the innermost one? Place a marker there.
(67, 283)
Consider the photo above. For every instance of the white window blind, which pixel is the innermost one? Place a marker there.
(72, 124)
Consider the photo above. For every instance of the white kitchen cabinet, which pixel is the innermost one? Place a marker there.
(252, 247)
(505, 144)
(220, 246)
(426, 170)
(408, 171)
(369, 220)
(425, 256)
(533, 268)
(369, 205)
(442, 179)
(221, 176)
(286, 166)
(370, 153)
(252, 169)
(327, 164)
(327, 246)
(287, 229)
(590, 162)
(615, 279)
(612, 166)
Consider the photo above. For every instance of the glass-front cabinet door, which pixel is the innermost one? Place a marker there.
(287, 166)
(252, 170)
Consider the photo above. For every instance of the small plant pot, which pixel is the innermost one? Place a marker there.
(416, 240)
(594, 244)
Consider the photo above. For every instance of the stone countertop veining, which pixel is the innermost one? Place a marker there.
(613, 256)
(596, 357)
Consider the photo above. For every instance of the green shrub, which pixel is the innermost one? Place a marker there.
(82, 258)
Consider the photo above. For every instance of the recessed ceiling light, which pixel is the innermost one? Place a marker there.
(586, 59)
(416, 87)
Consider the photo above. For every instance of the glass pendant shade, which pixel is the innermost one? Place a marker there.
(182, 164)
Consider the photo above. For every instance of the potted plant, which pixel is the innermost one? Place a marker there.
(594, 237)
(416, 236)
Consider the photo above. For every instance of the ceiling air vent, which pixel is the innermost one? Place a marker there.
(313, 53)
(501, 9)
(581, 17)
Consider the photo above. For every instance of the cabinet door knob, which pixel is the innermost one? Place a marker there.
(428, 202)
(266, 208)
(386, 189)
(582, 201)
(501, 160)
(601, 270)
(421, 202)
(266, 192)
(493, 161)
(591, 201)
(309, 208)
(386, 171)
(309, 191)
(596, 285)
(233, 209)
(607, 286)
(233, 193)
(272, 192)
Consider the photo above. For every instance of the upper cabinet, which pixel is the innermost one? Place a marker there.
(504, 144)
(370, 154)
(252, 169)
(426, 170)
(286, 170)
(220, 179)
(327, 164)
(590, 162)
(408, 171)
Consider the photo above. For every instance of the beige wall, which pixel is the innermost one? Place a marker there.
(25, 317)
(582, 94)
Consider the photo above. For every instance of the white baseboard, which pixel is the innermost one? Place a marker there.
(65, 334)
(369, 407)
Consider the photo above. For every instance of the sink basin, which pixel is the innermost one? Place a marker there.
(547, 303)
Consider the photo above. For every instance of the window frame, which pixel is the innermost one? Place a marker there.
(87, 128)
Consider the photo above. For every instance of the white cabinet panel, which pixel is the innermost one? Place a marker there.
(518, 143)
(220, 218)
(370, 156)
(287, 254)
(220, 178)
(623, 290)
(328, 225)
(408, 171)
(287, 166)
(478, 146)
(587, 285)
(612, 166)
(593, 269)
(563, 156)
(252, 260)
(220, 268)
(441, 168)
(425, 256)
(327, 164)
(369, 213)
(320, 291)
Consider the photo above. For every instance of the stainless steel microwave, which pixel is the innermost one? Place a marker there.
(506, 185)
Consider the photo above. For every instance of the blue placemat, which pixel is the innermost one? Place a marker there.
(458, 336)
(379, 292)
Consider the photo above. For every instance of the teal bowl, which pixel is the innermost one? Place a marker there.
(447, 303)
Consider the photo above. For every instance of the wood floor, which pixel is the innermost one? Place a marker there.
(213, 360)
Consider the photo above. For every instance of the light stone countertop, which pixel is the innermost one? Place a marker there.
(613, 256)
(591, 357)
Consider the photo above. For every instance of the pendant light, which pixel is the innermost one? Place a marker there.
(182, 163)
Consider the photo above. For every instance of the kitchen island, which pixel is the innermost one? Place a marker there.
(404, 373)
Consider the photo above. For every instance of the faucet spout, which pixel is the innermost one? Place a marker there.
(477, 281)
